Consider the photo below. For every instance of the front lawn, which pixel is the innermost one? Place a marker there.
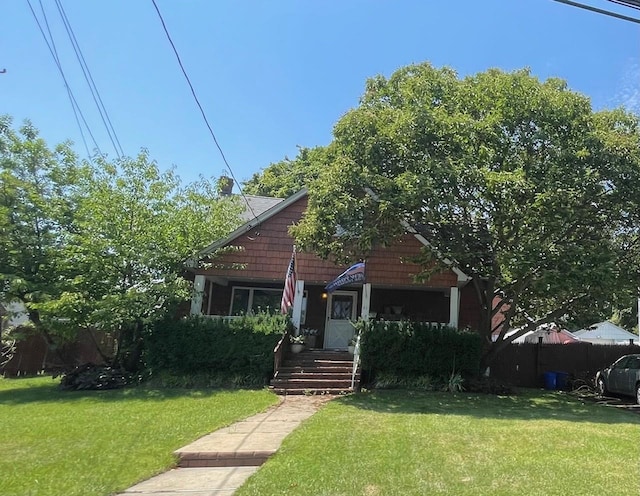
(100, 442)
(394, 442)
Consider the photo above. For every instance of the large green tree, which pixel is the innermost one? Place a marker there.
(517, 182)
(134, 228)
(38, 192)
(99, 245)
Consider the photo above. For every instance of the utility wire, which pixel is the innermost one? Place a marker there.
(74, 104)
(634, 4)
(104, 115)
(600, 11)
(195, 97)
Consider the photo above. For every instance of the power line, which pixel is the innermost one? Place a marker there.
(601, 11)
(74, 104)
(104, 115)
(634, 4)
(195, 97)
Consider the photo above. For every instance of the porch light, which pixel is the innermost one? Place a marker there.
(324, 296)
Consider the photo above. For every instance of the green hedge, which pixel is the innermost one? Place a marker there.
(196, 345)
(415, 349)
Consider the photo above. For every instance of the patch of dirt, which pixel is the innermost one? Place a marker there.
(588, 394)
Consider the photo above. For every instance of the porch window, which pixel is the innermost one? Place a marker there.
(254, 300)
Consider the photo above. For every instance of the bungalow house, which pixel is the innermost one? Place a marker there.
(249, 275)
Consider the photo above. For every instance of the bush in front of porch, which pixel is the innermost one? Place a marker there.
(200, 351)
(403, 353)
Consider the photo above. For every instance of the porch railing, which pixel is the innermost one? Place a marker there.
(279, 351)
(356, 362)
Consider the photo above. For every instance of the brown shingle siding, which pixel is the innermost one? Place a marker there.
(267, 250)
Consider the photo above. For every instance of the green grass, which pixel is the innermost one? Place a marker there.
(402, 443)
(97, 443)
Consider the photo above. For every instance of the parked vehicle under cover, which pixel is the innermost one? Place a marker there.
(622, 377)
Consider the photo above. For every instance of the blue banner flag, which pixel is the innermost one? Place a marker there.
(355, 273)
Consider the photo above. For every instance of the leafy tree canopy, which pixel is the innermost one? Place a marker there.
(38, 191)
(519, 182)
(283, 179)
(99, 245)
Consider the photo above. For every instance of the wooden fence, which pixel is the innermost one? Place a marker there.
(33, 355)
(525, 364)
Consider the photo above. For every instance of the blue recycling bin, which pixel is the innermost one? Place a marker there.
(561, 380)
(550, 380)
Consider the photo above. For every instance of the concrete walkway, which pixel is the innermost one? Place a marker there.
(219, 463)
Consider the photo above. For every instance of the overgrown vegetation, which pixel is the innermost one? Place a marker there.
(204, 351)
(91, 376)
(420, 355)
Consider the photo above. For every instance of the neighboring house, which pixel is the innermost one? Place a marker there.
(12, 314)
(250, 276)
(550, 334)
(606, 333)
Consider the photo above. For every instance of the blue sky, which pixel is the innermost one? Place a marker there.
(272, 75)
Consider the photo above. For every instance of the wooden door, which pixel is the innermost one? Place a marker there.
(341, 311)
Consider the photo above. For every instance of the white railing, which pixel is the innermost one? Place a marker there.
(356, 362)
(226, 318)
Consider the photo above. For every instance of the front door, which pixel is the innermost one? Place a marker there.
(341, 311)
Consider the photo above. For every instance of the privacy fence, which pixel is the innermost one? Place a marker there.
(525, 364)
(34, 355)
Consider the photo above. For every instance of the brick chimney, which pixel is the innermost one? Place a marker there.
(226, 185)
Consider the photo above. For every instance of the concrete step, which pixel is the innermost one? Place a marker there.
(313, 374)
(312, 383)
(312, 359)
(310, 391)
(224, 458)
(315, 370)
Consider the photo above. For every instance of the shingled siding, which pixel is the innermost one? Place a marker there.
(265, 252)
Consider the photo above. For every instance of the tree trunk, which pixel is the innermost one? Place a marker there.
(129, 350)
(34, 317)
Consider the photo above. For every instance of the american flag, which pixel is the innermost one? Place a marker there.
(289, 285)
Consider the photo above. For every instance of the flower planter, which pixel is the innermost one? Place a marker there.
(296, 347)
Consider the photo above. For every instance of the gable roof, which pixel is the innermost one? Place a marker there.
(548, 334)
(256, 205)
(606, 330)
(276, 206)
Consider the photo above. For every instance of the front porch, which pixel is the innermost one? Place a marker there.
(327, 316)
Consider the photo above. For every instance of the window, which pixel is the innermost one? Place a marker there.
(634, 362)
(341, 307)
(622, 363)
(254, 300)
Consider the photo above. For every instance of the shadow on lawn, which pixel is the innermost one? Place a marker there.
(529, 405)
(22, 391)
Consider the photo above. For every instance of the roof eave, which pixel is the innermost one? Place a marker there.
(246, 227)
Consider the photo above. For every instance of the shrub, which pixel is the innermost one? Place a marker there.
(413, 349)
(91, 376)
(239, 349)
